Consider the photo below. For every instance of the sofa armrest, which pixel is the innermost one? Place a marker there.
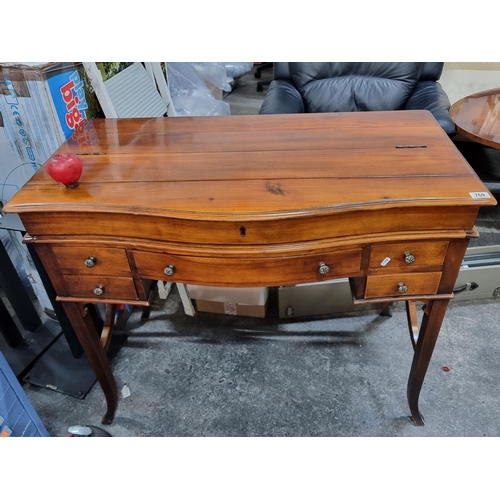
(430, 95)
(281, 98)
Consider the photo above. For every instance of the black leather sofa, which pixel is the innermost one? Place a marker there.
(301, 87)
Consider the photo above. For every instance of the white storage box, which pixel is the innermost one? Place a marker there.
(232, 301)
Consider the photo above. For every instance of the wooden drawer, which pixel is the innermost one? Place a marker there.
(392, 256)
(93, 261)
(248, 272)
(416, 283)
(112, 288)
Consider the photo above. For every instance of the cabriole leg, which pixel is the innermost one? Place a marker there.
(88, 337)
(427, 337)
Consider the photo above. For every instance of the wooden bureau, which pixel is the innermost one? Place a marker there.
(383, 198)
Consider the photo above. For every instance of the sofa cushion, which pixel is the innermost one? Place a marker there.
(332, 87)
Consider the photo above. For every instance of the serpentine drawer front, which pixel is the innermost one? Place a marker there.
(246, 271)
(382, 198)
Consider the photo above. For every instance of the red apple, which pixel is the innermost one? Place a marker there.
(65, 168)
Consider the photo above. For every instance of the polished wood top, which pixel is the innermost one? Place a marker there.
(477, 117)
(258, 167)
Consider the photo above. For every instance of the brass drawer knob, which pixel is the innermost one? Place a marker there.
(323, 268)
(409, 258)
(90, 261)
(402, 288)
(99, 290)
(169, 270)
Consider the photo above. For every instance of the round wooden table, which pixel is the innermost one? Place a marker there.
(477, 117)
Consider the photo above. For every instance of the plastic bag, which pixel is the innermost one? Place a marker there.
(215, 73)
(190, 94)
(237, 69)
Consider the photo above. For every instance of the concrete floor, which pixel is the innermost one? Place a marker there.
(343, 375)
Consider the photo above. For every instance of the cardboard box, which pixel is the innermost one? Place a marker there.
(215, 91)
(41, 105)
(231, 308)
(232, 301)
(325, 297)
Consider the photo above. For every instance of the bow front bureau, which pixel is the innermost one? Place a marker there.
(383, 198)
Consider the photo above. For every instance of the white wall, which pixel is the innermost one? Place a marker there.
(460, 79)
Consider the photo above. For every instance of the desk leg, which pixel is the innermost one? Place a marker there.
(427, 336)
(85, 330)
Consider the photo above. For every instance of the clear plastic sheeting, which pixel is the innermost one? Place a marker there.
(190, 93)
(214, 73)
(237, 69)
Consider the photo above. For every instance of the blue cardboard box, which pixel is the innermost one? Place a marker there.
(41, 105)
